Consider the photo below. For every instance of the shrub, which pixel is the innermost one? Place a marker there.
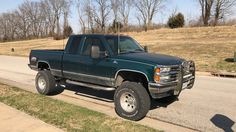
(58, 37)
(67, 31)
(176, 21)
(116, 26)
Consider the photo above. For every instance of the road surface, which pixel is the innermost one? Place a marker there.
(209, 106)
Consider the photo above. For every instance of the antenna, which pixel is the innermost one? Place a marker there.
(63, 37)
(63, 43)
(118, 36)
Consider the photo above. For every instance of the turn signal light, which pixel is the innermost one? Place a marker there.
(157, 70)
(157, 78)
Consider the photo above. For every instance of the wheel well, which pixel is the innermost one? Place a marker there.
(131, 76)
(43, 65)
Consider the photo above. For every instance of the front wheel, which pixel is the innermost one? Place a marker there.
(45, 82)
(132, 101)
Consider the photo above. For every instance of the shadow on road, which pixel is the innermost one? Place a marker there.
(223, 122)
(164, 102)
(58, 90)
(108, 96)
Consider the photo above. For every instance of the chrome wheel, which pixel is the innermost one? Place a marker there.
(41, 83)
(128, 102)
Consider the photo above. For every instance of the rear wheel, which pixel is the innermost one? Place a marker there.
(45, 82)
(132, 101)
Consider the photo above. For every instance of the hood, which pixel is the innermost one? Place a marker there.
(154, 59)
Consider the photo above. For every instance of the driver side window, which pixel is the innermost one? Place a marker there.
(89, 42)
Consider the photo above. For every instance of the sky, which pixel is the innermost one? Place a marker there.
(189, 8)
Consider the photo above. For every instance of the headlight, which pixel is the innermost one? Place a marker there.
(165, 77)
(33, 59)
(165, 69)
(158, 71)
(162, 70)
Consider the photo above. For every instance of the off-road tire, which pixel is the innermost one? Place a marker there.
(50, 83)
(141, 96)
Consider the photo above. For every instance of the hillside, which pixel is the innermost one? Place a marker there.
(209, 47)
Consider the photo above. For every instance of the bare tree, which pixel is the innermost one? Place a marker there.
(48, 16)
(4, 26)
(23, 21)
(81, 14)
(34, 15)
(33, 19)
(55, 8)
(223, 8)
(101, 14)
(90, 13)
(115, 5)
(12, 25)
(66, 12)
(124, 10)
(139, 20)
(147, 10)
(8, 26)
(45, 20)
(206, 6)
(86, 12)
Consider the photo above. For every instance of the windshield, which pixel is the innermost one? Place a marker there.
(125, 45)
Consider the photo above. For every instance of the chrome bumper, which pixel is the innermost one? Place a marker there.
(185, 80)
(159, 91)
(163, 90)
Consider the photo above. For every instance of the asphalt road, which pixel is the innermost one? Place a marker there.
(209, 106)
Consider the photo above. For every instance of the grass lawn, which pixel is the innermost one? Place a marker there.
(209, 47)
(63, 115)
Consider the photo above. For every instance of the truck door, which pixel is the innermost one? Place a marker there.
(72, 60)
(96, 69)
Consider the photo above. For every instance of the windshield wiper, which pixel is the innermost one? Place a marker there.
(133, 51)
(139, 50)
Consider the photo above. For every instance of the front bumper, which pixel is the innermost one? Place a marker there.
(185, 80)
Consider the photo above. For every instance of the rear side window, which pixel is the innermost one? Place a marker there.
(88, 45)
(74, 47)
(112, 43)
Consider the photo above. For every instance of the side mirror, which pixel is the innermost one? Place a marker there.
(95, 52)
(104, 54)
(145, 48)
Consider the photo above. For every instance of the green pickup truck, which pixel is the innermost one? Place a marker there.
(113, 63)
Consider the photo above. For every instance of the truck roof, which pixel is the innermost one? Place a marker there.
(101, 35)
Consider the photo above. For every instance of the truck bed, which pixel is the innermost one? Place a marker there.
(52, 57)
(50, 50)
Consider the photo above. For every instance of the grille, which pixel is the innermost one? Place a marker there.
(173, 75)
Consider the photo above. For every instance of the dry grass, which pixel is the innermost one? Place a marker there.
(3, 90)
(23, 48)
(207, 46)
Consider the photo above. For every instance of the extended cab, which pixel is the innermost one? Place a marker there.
(111, 62)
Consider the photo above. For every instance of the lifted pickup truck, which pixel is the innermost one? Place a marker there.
(110, 62)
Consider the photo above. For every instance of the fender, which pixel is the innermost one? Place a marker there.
(128, 70)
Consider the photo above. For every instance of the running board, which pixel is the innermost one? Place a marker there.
(90, 85)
